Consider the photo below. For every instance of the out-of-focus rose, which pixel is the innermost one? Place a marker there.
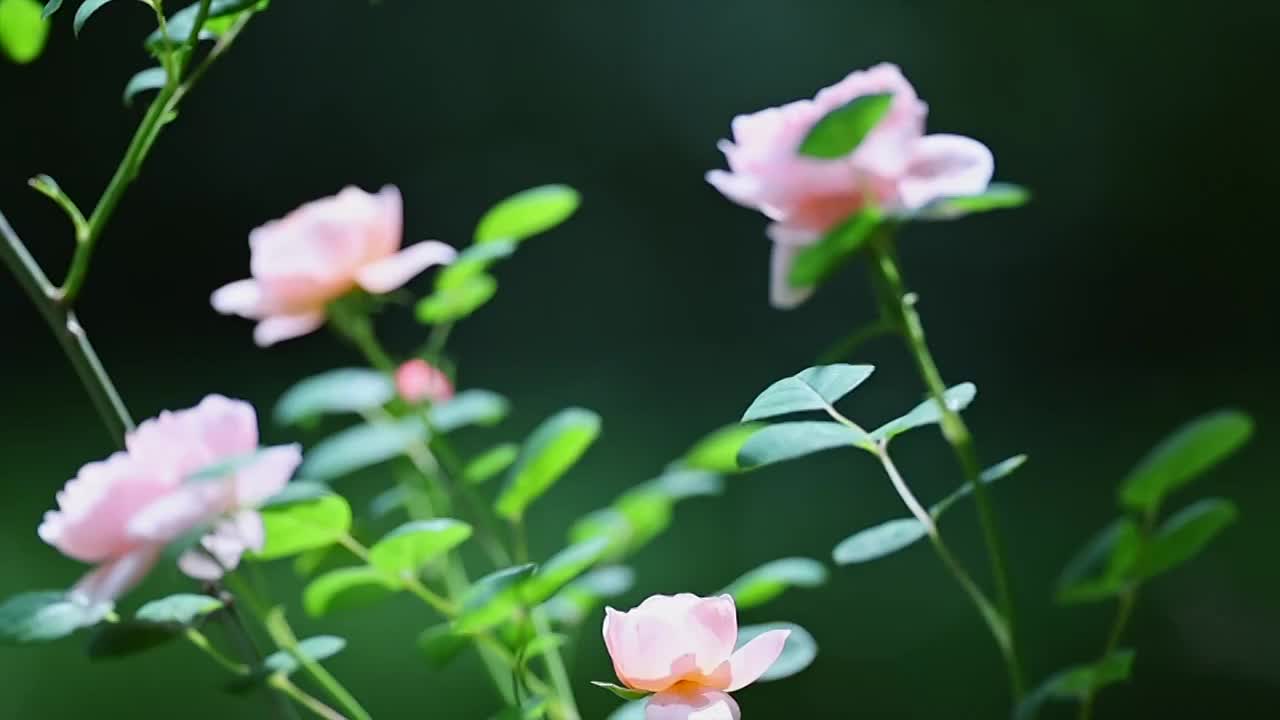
(417, 380)
(320, 252)
(181, 470)
(896, 167)
(682, 649)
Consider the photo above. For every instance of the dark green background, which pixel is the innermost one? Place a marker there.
(1136, 292)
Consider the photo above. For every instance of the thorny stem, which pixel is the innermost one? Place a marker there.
(899, 307)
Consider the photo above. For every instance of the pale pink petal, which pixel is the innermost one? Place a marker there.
(945, 166)
(94, 508)
(388, 228)
(277, 328)
(113, 579)
(267, 475)
(781, 294)
(221, 550)
(753, 659)
(242, 297)
(184, 509)
(704, 705)
(225, 427)
(647, 649)
(390, 273)
(711, 628)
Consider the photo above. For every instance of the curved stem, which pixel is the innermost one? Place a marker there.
(198, 639)
(896, 300)
(285, 685)
(1124, 611)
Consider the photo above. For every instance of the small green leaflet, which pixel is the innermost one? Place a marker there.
(579, 598)
(475, 260)
(819, 261)
(1185, 535)
(149, 79)
(308, 523)
(345, 390)
(718, 452)
(1104, 567)
(815, 388)
(625, 693)
(50, 8)
(359, 447)
(528, 213)
(346, 588)
(770, 580)
(997, 196)
(1190, 451)
(23, 29)
(492, 599)
(798, 654)
(927, 413)
(313, 649)
(553, 447)
(469, 407)
(1073, 683)
(182, 609)
(440, 644)
(86, 10)
(561, 569)
(180, 24)
(491, 462)
(36, 617)
(408, 548)
(458, 300)
(791, 440)
(842, 130)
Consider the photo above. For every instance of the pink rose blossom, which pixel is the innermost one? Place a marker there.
(417, 380)
(119, 513)
(320, 252)
(896, 167)
(682, 649)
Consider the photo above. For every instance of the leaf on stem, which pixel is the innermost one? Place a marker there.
(475, 260)
(1190, 451)
(221, 14)
(85, 11)
(561, 569)
(625, 693)
(345, 390)
(580, 598)
(408, 548)
(812, 389)
(457, 300)
(492, 599)
(927, 413)
(1078, 682)
(551, 450)
(24, 29)
(528, 213)
(359, 447)
(490, 463)
(150, 79)
(816, 263)
(791, 440)
(718, 452)
(469, 407)
(309, 522)
(997, 196)
(1104, 567)
(37, 617)
(842, 130)
(770, 580)
(347, 588)
(1185, 535)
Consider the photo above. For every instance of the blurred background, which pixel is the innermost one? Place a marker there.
(1134, 293)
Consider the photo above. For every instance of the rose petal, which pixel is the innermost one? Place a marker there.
(185, 508)
(704, 705)
(753, 659)
(268, 474)
(115, 578)
(711, 628)
(945, 166)
(221, 550)
(242, 297)
(390, 273)
(285, 327)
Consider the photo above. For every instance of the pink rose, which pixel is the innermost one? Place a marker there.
(121, 512)
(417, 380)
(682, 649)
(320, 252)
(896, 167)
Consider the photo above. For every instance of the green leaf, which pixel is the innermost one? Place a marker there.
(23, 29)
(562, 569)
(346, 588)
(1104, 567)
(683, 484)
(475, 260)
(307, 524)
(491, 462)
(842, 130)
(149, 79)
(346, 390)
(816, 388)
(86, 10)
(553, 447)
(625, 693)
(927, 412)
(314, 649)
(579, 598)
(359, 447)
(180, 24)
(1185, 535)
(50, 8)
(182, 609)
(878, 541)
(997, 196)
(817, 262)
(770, 580)
(408, 548)
(440, 645)
(718, 452)
(528, 213)
(1075, 682)
(1002, 469)
(123, 639)
(298, 491)
(791, 440)
(36, 617)
(469, 407)
(799, 652)
(456, 301)
(388, 501)
(1191, 450)
(492, 599)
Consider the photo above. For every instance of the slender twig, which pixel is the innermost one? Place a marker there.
(198, 639)
(281, 682)
(897, 301)
(855, 340)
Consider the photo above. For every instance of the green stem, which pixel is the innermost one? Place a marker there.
(844, 349)
(896, 299)
(1128, 600)
(285, 685)
(235, 628)
(201, 642)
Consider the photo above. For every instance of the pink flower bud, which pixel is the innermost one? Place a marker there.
(682, 649)
(418, 381)
(320, 252)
